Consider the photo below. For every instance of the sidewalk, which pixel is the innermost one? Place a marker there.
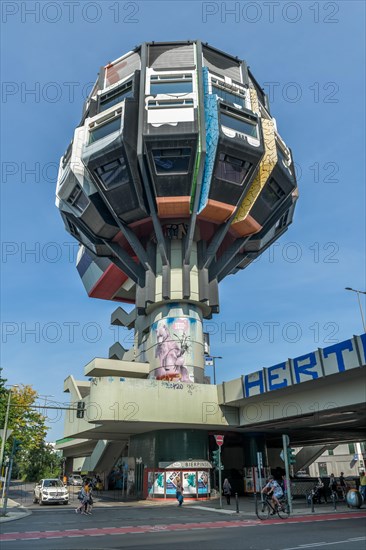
(246, 505)
(14, 511)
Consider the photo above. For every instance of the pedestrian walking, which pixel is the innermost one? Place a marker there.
(83, 496)
(343, 485)
(363, 485)
(227, 489)
(179, 493)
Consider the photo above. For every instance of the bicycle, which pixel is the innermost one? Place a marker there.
(334, 497)
(265, 508)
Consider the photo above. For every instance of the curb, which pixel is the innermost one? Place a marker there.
(13, 516)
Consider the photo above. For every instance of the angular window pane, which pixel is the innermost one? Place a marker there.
(229, 97)
(239, 125)
(105, 129)
(78, 199)
(170, 104)
(113, 173)
(178, 87)
(171, 161)
(231, 169)
(112, 99)
(272, 193)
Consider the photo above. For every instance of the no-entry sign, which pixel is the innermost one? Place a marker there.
(219, 440)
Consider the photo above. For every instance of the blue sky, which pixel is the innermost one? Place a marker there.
(308, 55)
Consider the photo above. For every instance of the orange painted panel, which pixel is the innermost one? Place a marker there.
(216, 211)
(173, 206)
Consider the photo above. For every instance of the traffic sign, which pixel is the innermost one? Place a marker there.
(8, 433)
(219, 440)
(209, 361)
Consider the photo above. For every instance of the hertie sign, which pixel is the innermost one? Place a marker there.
(219, 440)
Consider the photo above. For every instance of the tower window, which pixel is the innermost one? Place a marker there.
(102, 130)
(171, 84)
(171, 161)
(115, 96)
(78, 199)
(272, 193)
(239, 124)
(231, 169)
(229, 95)
(113, 173)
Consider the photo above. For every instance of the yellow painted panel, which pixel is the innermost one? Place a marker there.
(266, 166)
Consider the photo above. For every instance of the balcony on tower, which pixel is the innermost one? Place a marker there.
(170, 126)
(109, 151)
(83, 211)
(234, 147)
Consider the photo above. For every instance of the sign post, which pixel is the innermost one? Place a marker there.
(286, 442)
(219, 442)
(260, 466)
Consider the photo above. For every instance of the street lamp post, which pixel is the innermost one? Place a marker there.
(210, 361)
(358, 292)
(214, 367)
(6, 426)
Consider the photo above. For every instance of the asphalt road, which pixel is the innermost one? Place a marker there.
(113, 527)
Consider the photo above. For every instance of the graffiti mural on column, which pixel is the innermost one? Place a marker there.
(173, 339)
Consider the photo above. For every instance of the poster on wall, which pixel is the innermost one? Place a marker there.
(172, 480)
(158, 483)
(150, 483)
(189, 483)
(203, 483)
(173, 340)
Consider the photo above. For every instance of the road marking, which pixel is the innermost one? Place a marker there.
(163, 528)
(318, 544)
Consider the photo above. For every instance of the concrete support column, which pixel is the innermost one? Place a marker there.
(174, 347)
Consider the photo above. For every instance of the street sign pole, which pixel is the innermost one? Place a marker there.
(286, 442)
(260, 466)
(220, 483)
(219, 442)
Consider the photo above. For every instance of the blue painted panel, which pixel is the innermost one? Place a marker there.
(254, 384)
(278, 376)
(212, 138)
(307, 367)
(340, 357)
(337, 358)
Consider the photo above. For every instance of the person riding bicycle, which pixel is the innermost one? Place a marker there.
(273, 489)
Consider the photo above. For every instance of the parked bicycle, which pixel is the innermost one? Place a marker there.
(265, 508)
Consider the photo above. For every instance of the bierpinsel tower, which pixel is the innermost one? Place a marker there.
(176, 177)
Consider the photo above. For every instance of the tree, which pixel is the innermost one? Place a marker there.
(35, 457)
(36, 463)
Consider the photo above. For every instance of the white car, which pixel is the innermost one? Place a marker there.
(75, 479)
(50, 490)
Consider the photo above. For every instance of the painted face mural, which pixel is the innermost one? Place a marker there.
(173, 349)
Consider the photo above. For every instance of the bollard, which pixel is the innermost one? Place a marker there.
(312, 503)
(335, 502)
(237, 503)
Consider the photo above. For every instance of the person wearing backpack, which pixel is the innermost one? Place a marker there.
(227, 489)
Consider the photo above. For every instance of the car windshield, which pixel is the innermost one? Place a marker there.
(52, 483)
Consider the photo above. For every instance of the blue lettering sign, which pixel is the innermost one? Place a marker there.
(363, 340)
(337, 349)
(306, 369)
(273, 375)
(253, 384)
